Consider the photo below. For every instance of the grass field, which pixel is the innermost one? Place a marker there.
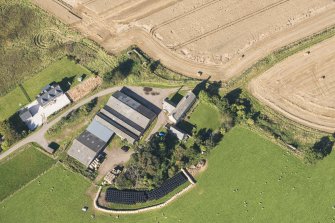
(248, 179)
(57, 71)
(56, 196)
(205, 116)
(22, 168)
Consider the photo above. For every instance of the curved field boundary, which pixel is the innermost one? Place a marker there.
(140, 210)
(155, 28)
(227, 25)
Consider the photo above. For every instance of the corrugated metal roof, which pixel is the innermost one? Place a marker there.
(183, 106)
(123, 118)
(101, 131)
(82, 153)
(91, 141)
(134, 105)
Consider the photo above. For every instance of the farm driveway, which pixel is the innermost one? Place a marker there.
(39, 136)
(115, 156)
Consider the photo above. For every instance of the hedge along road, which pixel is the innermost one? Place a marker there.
(39, 136)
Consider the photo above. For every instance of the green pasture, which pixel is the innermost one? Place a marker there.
(249, 179)
(21, 168)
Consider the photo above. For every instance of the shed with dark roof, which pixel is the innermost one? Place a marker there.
(86, 147)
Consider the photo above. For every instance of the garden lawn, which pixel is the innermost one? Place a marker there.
(21, 168)
(249, 179)
(56, 72)
(205, 116)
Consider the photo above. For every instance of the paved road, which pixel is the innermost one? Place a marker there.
(38, 136)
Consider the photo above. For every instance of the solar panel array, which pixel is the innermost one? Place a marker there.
(133, 197)
(167, 187)
(125, 196)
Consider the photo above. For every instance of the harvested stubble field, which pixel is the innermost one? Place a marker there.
(302, 87)
(220, 38)
(247, 180)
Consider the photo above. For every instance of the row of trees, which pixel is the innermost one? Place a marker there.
(238, 108)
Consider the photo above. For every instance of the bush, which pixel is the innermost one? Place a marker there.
(320, 150)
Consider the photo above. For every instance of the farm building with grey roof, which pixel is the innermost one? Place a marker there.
(123, 115)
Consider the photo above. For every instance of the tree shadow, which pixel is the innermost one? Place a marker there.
(121, 72)
(66, 83)
(324, 146)
(176, 98)
(186, 126)
(17, 125)
(213, 88)
(233, 95)
(204, 134)
(154, 65)
(125, 67)
(200, 87)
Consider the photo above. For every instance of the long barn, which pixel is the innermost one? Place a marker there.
(126, 114)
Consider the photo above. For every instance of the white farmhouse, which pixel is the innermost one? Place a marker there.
(49, 101)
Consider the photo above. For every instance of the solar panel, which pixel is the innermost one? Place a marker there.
(125, 196)
(167, 187)
(133, 197)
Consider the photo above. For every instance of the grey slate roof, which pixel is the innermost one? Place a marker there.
(25, 114)
(91, 141)
(99, 130)
(49, 93)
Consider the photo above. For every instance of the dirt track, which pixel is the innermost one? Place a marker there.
(302, 87)
(199, 35)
